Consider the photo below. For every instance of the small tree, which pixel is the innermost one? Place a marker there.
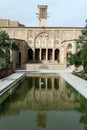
(75, 60)
(82, 46)
(4, 49)
(84, 57)
(81, 59)
(5, 45)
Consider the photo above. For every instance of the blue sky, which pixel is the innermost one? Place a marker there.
(65, 13)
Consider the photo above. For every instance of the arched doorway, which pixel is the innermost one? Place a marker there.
(37, 54)
(49, 54)
(19, 57)
(30, 54)
(43, 54)
(18, 65)
(57, 54)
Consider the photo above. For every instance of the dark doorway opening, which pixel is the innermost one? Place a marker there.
(30, 54)
(57, 55)
(49, 54)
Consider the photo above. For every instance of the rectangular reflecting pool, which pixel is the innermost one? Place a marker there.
(43, 102)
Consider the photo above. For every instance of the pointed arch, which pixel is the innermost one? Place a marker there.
(41, 40)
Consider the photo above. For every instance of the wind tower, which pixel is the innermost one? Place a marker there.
(42, 15)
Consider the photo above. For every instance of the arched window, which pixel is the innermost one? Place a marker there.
(69, 46)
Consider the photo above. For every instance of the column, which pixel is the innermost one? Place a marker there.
(34, 54)
(53, 55)
(40, 54)
(46, 54)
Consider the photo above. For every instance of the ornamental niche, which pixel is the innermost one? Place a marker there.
(30, 41)
(41, 40)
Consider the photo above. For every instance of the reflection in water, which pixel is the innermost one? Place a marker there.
(48, 102)
(41, 119)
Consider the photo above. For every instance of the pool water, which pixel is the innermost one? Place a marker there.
(43, 102)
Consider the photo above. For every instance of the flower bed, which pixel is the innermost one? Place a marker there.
(4, 73)
(81, 75)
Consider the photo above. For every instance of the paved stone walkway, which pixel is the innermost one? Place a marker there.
(8, 82)
(77, 83)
